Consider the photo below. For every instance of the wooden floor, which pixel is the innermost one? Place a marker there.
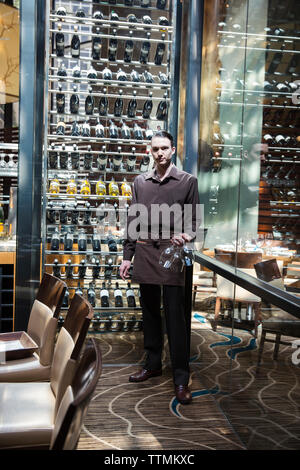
(233, 408)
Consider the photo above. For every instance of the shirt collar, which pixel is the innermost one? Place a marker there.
(172, 173)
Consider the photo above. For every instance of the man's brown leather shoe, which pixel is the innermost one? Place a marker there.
(183, 394)
(144, 374)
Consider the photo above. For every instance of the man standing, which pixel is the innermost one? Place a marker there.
(165, 185)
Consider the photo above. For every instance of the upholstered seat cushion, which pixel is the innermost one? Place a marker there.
(26, 414)
(226, 289)
(28, 369)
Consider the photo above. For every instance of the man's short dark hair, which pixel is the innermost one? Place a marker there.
(164, 134)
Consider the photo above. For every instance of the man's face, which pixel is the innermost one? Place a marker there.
(162, 151)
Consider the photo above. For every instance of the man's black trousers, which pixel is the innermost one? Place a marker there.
(173, 303)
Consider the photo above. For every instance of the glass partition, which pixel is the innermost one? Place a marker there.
(248, 171)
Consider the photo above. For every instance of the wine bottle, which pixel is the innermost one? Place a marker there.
(290, 141)
(128, 48)
(108, 268)
(75, 44)
(96, 242)
(125, 131)
(117, 160)
(112, 244)
(113, 188)
(163, 21)
(76, 72)
(163, 78)
(106, 74)
(75, 131)
(148, 77)
(80, 11)
(145, 3)
(71, 186)
(96, 45)
(56, 269)
(91, 73)
(144, 165)
(279, 140)
(121, 76)
(160, 49)
(128, 3)
(55, 240)
(282, 87)
(74, 101)
(85, 188)
(104, 296)
(61, 70)
(148, 133)
(113, 130)
(126, 189)
(134, 76)
(60, 42)
(99, 130)
(52, 157)
(102, 159)
(145, 50)
(148, 105)
(89, 103)
(131, 18)
(162, 109)
(61, 11)
(75, 158)
(65, 302)
(63, 215)
(74, 215)
(112, 47)
(137, 132)
(147, 20)
(100, 187)
(91, 294)
(131, 160)
(118, 106)
(82, 241)
(114, 17)
(118, 296)
(63, 158)
(69, 269)
(130, 296)
(276, 60)
(86, 129)
(88, 159)
(161, 4)
(103, 104)
(87, 214)
(82, 269)
(293, 65)
(98, 15)
(132, 105)
(61, 127)
(68, 242)
(78, 290)
(96, 268)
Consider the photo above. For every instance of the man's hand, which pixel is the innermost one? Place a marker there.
(180, 239)
(124, 268)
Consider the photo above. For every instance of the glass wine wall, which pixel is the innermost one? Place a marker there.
(109, 90)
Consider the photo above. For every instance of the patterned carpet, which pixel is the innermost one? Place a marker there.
(233, 408)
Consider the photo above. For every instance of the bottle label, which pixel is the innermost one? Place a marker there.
(129, 293)
(118, 293)
(104, 293)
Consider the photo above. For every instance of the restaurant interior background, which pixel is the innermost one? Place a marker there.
(234, 74)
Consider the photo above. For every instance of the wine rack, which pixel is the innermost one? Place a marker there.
(109, 88)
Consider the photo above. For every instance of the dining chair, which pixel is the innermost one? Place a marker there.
(77, 397)
(41, 329)
(28, 409)
(229, 291)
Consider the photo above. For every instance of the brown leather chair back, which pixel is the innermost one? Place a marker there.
(238, 259)
(76, 399)
(267, 270)
(77, 320)
(51, 292)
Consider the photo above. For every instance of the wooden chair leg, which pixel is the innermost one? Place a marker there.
(217, 312)
(276, 348)
(261, 348)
